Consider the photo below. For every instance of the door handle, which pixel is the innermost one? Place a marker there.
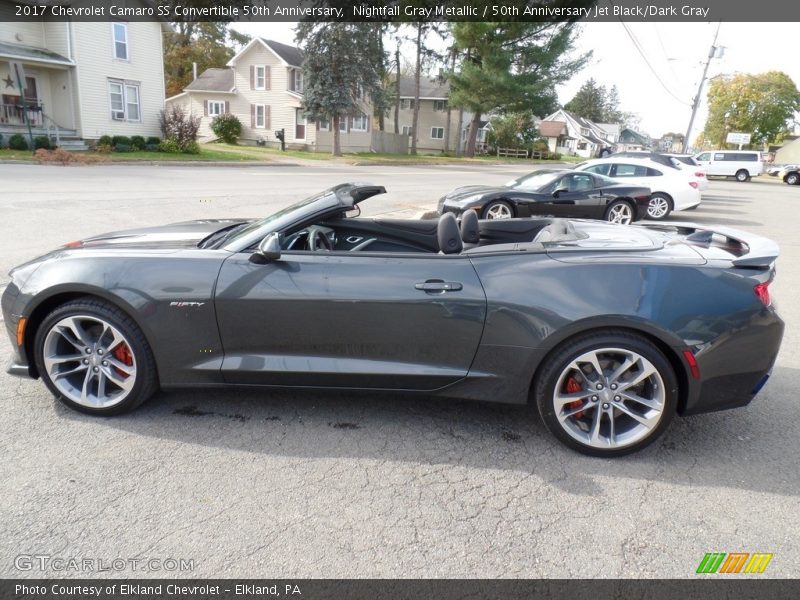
(436, 285)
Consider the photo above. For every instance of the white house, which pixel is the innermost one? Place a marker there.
(82, 79)
(574, 135)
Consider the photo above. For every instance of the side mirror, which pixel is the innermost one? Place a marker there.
(559, 191)
(269, 249)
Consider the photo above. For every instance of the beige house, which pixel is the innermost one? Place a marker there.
(82, 80)
(432, 127)
(263, 86)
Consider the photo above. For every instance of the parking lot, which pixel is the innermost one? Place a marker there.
(304, 484)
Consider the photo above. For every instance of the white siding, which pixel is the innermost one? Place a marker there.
(193, 103)
(28, 33)
(93, 51)
(428, 118)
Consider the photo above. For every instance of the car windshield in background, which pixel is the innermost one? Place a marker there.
(535, 181)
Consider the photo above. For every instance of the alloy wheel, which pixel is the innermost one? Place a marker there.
(620, 213)
(89, 361)
(657, 208)
(793, 179)
(498, 211)
(609, 398)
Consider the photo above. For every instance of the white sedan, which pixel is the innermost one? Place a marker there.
(672, 189)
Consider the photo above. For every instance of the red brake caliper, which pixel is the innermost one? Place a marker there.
(123, 355)
(571, 387)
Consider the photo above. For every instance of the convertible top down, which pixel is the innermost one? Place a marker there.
(608, 329)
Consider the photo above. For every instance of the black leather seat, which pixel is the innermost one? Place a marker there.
(449, 235)
(470, 229)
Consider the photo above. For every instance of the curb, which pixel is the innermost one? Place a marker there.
(156, 163)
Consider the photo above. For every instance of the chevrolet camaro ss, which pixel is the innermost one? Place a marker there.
(609, 330)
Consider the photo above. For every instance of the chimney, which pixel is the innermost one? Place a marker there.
(194, 71)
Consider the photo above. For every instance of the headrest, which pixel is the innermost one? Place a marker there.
(557, 230)
(448, 234)
(470, 232)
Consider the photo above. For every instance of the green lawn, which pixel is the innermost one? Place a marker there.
(206, 154)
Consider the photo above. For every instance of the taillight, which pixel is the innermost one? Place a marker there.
(693, 184)
(761, 290)
(699, 174)
(692, 362)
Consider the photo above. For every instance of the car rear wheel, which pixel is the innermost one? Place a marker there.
(792, 179)
(498, 209)
(607, 394)
(94, 358)
(742, 175)
(619, 211)
(659, 207)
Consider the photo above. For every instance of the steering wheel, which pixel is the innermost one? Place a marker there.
(317, 240)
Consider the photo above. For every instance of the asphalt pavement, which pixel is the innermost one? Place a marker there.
(302, 484)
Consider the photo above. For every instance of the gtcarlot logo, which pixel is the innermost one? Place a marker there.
(71, 564)
(735, 562)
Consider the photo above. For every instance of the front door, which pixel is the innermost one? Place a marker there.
(344, 319)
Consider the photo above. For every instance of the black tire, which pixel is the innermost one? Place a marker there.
(742, 175)
(792, 178)
(497, 205)
(607, 216)
(559, 361)
(146, 378)
(660, 198)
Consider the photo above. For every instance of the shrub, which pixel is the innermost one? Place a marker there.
(227, 127)
(152, 147)
(105, 140)
(137, 142)
(120, 139)
(191, 148)
(1, 140)
(41, 141)
(169, 146)
(17, 142)
(179, 127)
(123, 148)
(153, 141)
(104, 148)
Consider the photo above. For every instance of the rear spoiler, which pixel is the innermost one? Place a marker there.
(750, 250)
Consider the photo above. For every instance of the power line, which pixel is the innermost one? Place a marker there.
(647, 62)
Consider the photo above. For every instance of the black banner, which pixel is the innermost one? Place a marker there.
(405, 10)
(704, 587)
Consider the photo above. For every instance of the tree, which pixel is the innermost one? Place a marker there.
(597, 103)
(205, 43)
(513, 130)
(762, 105)
(510, 66)
(343, 64)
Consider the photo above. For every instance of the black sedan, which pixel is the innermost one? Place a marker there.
(609, 330)
(559, 193)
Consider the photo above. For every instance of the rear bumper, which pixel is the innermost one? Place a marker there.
(736, 366)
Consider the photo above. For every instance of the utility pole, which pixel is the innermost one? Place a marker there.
(711, 53)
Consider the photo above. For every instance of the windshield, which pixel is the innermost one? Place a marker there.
(534, 181)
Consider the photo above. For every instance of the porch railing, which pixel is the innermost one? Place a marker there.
(14, 114)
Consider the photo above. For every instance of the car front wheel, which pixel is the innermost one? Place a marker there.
(620, 212)
(498, 209)
(94, 358)
(659, 207)
(607, 393)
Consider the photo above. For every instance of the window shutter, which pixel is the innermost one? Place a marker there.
(227, 107)
(205, 108)
(252, 77)
(252, 115)
(266, 116)
(289, 79)
(267, 82)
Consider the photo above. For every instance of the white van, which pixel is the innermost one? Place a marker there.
(742, 164)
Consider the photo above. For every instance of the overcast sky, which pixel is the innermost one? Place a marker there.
(676, 52)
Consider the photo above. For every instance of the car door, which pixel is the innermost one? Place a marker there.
(573, 195)
(350, 319)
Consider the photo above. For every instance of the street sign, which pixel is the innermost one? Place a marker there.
(738, 138)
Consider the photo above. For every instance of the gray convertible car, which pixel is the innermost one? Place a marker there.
(610, 330)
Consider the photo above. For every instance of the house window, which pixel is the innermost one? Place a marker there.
(584, 131)
(216, 108)
(260, 116)
(324, 125)
(406, 103)
(407, 130)
(343, 124)
(440, 105)
(261, 77)
(299, 124)
(437, 133)
(296, 81)
(124, 100)
(360, 123)
(120, 31)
